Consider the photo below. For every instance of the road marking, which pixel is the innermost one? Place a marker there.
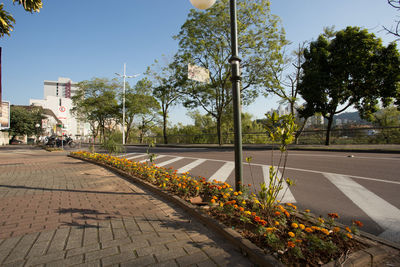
(138, 156)
(124, 155)
(337, 156)
(191, 165)
(168, 161)
(223, 173)
(378, 209)
(304, 170)
(157, 157)
(285, 195)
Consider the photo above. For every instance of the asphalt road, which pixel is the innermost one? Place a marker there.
(359, 186)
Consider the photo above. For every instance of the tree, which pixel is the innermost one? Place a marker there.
(23, 120)
(139, 103)
(204, 40)
(95, 102)
(167, 84)
(387, 118)
(351, 68)
(396, 29)
(7, 20)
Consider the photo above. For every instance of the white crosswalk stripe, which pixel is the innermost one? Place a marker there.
(137, 156)
(191, 166)
(285, 195)
(168, 161)
(378, 209)
(223, 173)
(157, 157)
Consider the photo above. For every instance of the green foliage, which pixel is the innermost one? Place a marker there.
(112, 144)
(204, 40)
(350, 68)
(280, 129)
(7, 20)
(24, 119)
(95, 102)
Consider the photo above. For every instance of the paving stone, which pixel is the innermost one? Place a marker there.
(151, 250)
(207, 263)
(45, 258)
(170, 263)
(82, 250)
(140, 261)
(98, 254)
(192, 259)
(59, 240)
(78, 259)
(170, 254)
(118, 258)
(114, 243)
(22, 248)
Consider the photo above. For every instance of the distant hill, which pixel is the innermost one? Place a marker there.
(351, 116)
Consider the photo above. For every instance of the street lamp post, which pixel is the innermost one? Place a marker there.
(123, 100)
(235, 64)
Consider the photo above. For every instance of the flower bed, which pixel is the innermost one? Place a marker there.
(292, 236)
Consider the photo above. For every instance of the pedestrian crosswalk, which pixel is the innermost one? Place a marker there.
(384, 214)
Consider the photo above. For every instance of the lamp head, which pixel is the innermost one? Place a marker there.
(202, 4)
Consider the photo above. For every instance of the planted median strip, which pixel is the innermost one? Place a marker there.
(277, 229)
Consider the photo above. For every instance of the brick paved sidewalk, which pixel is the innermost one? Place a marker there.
(59, 211)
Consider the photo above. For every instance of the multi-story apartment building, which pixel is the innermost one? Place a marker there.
(57, 98)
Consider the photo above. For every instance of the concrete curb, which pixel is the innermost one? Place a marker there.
(367, 257)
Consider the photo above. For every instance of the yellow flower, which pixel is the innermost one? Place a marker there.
(302, 226)
(240, 192)
(221, 204)
(295, 225)
(235, 193)
(270, 229)
(291, 234)
(247, 212)
(321, 220)
(244, 202)
(307, 210)
(276, 223)
(309, 230)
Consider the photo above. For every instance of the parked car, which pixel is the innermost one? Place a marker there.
(15, 142)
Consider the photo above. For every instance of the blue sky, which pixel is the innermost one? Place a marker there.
(85, 39)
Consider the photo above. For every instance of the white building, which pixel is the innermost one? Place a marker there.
(57, 98)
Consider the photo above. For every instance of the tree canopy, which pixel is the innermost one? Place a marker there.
(7, 20)
(204, 40)
(23, 120)
(351, 67)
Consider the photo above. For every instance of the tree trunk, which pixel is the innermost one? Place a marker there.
(299, 132)
(219, 132)
(165, 128)
(328, 130)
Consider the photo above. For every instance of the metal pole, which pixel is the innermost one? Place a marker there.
(235, 63)
(123, 109)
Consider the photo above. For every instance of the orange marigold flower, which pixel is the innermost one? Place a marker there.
(277, 213)
(291, 244)
(309, 230)
(358, 223)
(276, 223)
(325, 231)
(295, 225)
(348, 229)
(291, 234)
(299, 240)
(241, 209)
(249, 185)
(253, 213)
(257, 219)
(281, 208)
(302, 226)
(213, 201)
(235, 206)
(263, 222)
(333, 215)
(336, 229)
(349, 235)
(197, 188)
(270, 229)
(307, 210)
(287, 214)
